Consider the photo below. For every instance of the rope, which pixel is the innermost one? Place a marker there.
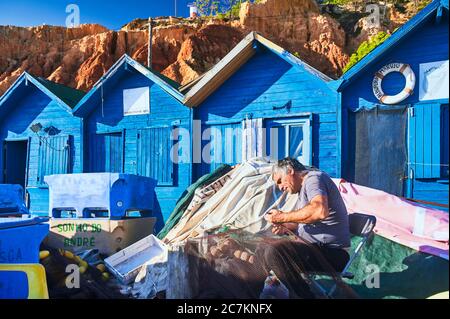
(425, 202)
(101, 89)
(44, 140)
(443, 165)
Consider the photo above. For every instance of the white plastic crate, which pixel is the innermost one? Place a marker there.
(126, 264)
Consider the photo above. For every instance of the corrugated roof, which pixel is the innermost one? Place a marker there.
(67, 94)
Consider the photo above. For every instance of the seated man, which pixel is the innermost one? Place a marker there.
(320, 219)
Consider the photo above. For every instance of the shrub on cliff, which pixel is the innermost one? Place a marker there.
(365, 48)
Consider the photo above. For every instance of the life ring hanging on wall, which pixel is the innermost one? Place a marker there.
(407, 72)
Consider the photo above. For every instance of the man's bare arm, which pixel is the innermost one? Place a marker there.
(315, 211)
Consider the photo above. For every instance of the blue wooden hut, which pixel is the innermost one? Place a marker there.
(260, 100)
(395, 111)
(39, 136)
(131, 118)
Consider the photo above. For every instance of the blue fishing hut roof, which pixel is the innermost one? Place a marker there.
(198, 90)
(93, 97)
(434, 9)
(66, 97)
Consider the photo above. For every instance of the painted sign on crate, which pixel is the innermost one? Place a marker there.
(10, 254)
(85, 234)
(106, 235)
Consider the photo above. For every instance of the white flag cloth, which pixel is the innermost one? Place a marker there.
(252, 139)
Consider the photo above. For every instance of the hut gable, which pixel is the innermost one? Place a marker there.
(64, 96)
(422, 39)
(128, 66)
(39, 136)
(129, 117)
(258, 83)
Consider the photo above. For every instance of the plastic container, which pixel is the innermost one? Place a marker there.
(126, 264)
(108, 236)
(20, 239)
(23, 282)
(109, 195)
(12, 200)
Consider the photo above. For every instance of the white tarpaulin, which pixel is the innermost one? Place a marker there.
(242, 202)
(433, 81)
(136, 101)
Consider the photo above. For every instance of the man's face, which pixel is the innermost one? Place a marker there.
(286, 182)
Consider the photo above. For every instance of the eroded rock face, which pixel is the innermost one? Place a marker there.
(299, 27)
(183, 49)
(202, 50)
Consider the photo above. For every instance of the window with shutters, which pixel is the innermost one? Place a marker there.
(289, 137)
(428, 140)
(54, 156)
(154, 155)
(106, 153)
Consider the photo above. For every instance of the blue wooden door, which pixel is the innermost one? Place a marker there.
(54, 156)
(154, 157)
(428, 153)
(106, 153)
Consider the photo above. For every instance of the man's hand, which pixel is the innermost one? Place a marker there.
(271, 216)
(279, 229)
(285, 228)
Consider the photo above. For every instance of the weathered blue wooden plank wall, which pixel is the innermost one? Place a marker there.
(427, 43)
(260, 88)
(135, 130)
(27, 106)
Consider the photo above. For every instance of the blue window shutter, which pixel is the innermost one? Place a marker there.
(226, 144)
(153, 155)
(425, 140)
(106, 153)
(113, 143)
(54, 156)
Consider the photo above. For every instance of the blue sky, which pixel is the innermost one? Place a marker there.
(112, 14)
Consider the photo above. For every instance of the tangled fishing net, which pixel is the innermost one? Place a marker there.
(244, 259)
(237, 264)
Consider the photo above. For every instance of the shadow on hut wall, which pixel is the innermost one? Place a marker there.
(22, 120)
(376, 147)
(157, 212)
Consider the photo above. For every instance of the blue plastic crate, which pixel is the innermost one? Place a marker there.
(96, 195)
(12, 200)
(20, 239)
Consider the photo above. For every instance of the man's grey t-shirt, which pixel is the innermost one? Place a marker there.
(334, 230)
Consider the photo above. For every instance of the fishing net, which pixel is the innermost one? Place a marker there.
(238, 264)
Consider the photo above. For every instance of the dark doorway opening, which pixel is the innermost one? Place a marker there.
(15, 155)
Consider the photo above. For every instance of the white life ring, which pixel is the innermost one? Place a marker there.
(407, 72)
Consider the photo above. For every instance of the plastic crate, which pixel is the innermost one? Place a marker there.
(20, 239)
(12, 200)
(126, 264)
(19, 281)
(95, 195)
